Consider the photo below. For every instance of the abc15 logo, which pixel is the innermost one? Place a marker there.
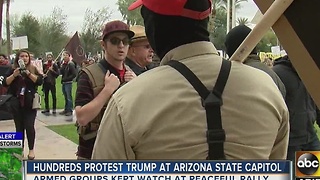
(307, 164)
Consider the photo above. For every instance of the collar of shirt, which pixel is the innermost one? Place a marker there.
(115, 71)
(135, 67)
(189, 50)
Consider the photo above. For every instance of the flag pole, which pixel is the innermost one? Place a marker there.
(59, 54)
(269, 18)
(228, 16)
(233, 17)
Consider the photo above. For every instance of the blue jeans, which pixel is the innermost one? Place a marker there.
(67, 92)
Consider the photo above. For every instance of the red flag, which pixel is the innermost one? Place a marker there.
(75, 48)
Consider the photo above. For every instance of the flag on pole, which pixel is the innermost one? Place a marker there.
(298, 31)
(75, 49)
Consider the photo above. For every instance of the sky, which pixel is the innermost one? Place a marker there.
(74, 9)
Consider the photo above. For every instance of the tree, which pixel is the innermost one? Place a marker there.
(14, 21)
(268, 40)
(222, 6)
(215, 5)
(52, 35)
(237, 5)
(8, 27)
(1, 12)
(92, 28)
(220, 29)
(132, 17)
(29, 26)
(243, 21)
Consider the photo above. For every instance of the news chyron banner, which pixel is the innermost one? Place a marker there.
(307, 165)
(157, 170)
(10, 155)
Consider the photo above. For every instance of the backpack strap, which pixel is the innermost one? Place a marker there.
(212, 102)
(96, 76)
(103, 69)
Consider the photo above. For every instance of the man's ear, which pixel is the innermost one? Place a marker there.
(131, 50)
(103, 44)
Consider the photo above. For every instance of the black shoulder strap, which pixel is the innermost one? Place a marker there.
(104, 70)
(212, 102)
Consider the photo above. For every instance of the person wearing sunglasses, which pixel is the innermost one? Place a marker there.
(140, 53)
(98, 81)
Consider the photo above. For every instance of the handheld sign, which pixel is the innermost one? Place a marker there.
(269, 18)
(19, 43)
(298, 32)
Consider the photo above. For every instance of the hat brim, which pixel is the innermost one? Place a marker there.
(135, 5)
(141, 38)
(128, 32)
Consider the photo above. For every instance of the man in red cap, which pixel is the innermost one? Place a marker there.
(97, 82)
(226, 111)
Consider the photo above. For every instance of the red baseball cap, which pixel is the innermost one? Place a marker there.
(171, 8)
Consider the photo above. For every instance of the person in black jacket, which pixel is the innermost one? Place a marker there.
(51, 72)
(234, 39)
(302, 109)
(23, 84)
(68, 72)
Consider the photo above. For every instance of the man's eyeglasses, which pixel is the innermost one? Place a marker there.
(116, 41)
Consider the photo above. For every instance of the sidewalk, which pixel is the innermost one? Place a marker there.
(48, 145)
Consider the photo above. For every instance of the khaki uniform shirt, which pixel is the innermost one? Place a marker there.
(159, 114)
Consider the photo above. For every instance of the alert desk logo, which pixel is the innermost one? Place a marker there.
(307, 164)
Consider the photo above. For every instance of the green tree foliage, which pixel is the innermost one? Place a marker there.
(1, 12)
(223, 4)
(243, 21)
(132, 17)
(53, 32)
(92, 28)
(29, 26)
(45, 35)
(218, 36)
(268, 40)
(8, 25)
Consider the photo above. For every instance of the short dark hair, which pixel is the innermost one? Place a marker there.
(67, 52)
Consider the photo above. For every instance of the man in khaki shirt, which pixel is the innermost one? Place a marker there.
(159, 115)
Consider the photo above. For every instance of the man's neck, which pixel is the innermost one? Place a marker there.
(116, 64)
(136, 62)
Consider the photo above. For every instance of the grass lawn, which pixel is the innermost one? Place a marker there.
(68, 131)
(60, 97)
